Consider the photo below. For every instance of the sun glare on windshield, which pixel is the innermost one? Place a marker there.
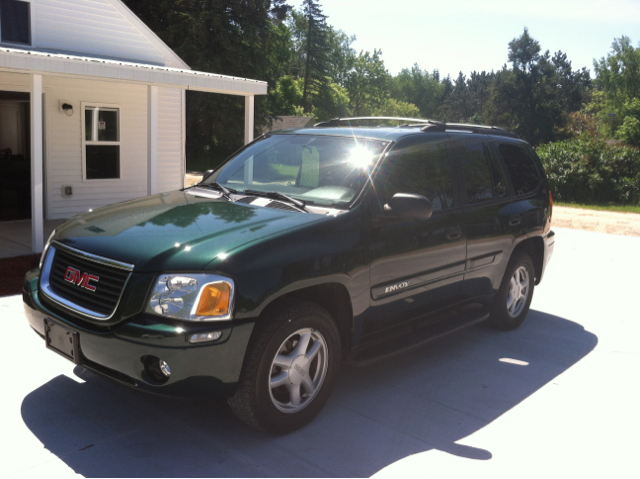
(361, 157)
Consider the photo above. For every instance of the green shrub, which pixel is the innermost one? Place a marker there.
(588, 170)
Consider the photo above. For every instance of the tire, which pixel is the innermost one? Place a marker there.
(511, 304)
(280, 388)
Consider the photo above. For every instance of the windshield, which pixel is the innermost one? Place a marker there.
(323, 170)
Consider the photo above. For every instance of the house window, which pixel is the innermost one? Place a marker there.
(101, 142)
(15, 22)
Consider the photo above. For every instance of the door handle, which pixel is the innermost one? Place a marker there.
(514, 220)
(454, 233)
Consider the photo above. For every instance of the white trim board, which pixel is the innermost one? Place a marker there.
(17, 60)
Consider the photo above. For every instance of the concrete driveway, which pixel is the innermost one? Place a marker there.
(558, 397)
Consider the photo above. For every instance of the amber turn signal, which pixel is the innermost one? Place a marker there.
(214, 300)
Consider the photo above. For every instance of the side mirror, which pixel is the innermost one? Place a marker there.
(206, 173)
(414, 207)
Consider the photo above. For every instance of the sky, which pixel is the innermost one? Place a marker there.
(464, 35)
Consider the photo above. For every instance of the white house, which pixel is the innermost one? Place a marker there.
(92, 108)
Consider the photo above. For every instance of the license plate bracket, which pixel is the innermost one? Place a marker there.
(62, 340)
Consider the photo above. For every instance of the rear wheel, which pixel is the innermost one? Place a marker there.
(289, 369)
(511, 304)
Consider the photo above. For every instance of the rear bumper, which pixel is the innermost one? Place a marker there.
(549, 242)
(209, 369)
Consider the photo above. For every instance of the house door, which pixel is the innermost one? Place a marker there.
(15, 156)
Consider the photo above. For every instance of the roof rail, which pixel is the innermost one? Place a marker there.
(424, 124)
(490, 130)
(337, 121)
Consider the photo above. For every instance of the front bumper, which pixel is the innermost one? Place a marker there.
(119, 352)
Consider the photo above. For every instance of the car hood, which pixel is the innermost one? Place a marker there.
(175, 231)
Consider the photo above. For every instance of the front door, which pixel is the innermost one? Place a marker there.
(416, 266)
(15, 180)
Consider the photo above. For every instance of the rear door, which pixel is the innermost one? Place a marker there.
(416, 266)
(530, 192)
(492, 219)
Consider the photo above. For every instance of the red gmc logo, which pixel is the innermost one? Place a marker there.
(73, 276)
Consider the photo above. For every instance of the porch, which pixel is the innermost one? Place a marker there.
(15, 236)
(143, 153)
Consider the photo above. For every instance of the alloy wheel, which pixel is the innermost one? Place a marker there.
(518, 291)
(298, 370)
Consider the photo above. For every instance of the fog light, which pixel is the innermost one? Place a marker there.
(164, 368)
(204, 337)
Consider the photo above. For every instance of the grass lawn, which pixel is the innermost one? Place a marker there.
(617, 208)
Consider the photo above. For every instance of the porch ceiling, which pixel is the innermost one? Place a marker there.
(97, 68)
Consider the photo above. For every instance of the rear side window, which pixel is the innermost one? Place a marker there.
(421, 169)
(521, 168)
(477, 173)
(499, 183)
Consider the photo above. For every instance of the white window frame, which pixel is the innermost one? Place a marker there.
(32, 29)
(83, 105)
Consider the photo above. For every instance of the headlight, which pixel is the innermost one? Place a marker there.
(192, 297)
(46, 248)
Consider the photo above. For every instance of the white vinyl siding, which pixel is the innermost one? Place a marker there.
(92, 27)
(170, 141)
(63, 161)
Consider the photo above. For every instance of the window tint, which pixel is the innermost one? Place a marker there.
(477, 174)
(499, 182)
(421, 169)
(523, 172)
(14, 25)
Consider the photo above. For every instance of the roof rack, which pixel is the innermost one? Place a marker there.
(492, 130)
(408, 121)
(424, 124)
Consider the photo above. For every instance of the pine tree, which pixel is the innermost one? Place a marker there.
(315, 73)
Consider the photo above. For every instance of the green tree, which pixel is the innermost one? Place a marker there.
(392, 107)
(286, 97)
(367, 83)
(617, 86)
(420, 88)
(536, 96)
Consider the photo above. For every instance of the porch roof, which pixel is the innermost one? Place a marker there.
(62, 64)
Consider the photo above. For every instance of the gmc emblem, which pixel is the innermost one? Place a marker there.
(73, 276)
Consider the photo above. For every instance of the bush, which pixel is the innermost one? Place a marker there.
(588, 170)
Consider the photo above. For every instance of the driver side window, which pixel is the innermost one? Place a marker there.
(421, 169)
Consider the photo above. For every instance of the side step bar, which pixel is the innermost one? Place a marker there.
(377, 350)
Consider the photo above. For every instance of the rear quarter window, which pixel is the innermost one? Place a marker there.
(521, 168)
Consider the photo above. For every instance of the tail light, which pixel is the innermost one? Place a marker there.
(550, 206)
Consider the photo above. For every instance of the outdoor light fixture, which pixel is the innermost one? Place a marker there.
(66, 107)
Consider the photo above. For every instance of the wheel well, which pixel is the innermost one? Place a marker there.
(335, 298)
(534, 247)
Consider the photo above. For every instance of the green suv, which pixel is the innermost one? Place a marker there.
(343, 242)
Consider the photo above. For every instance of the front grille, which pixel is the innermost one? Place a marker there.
(75, 294)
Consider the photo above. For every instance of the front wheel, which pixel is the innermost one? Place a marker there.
(289, 369)
(513, 299)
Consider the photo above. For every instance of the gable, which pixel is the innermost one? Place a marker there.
(100, 28)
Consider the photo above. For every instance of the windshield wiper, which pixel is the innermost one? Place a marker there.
(226, 192)
(276, 195)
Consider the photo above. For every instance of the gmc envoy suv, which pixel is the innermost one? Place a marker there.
(342, 242)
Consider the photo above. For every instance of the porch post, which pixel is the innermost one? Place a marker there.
(248, 118)
(37, 220)
(152, 139)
